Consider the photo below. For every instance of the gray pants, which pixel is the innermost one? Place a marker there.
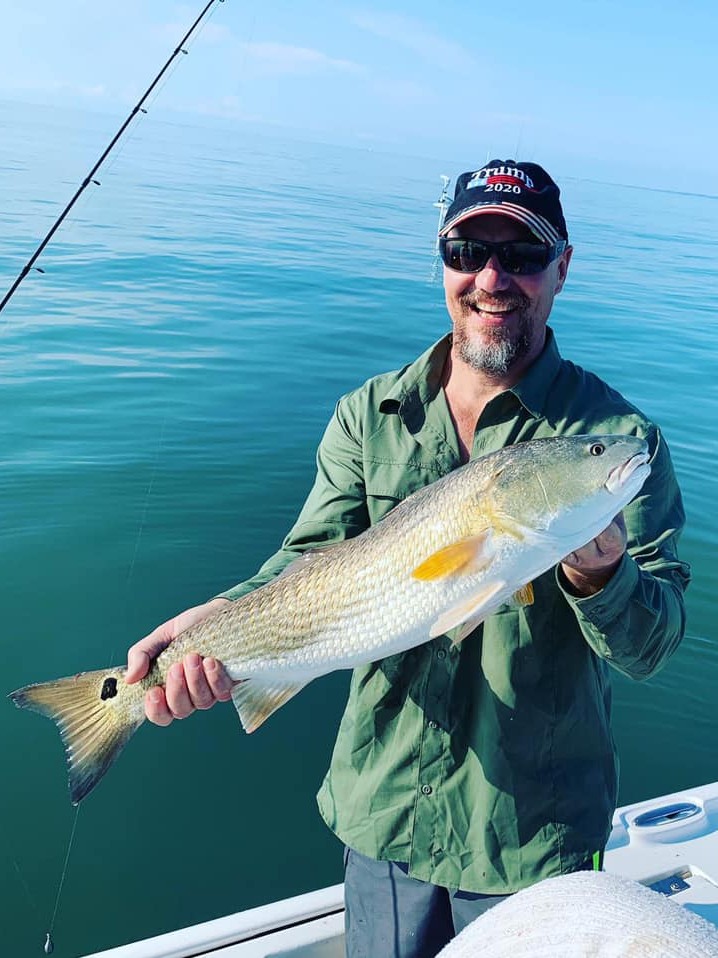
(389, 915)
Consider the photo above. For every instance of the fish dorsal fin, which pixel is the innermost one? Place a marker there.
(470, 611)
(255, 701)
(467, 555)
(524, 595)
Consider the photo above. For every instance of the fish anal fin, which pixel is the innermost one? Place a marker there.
(466, 628)
(255, 701)
(470, 611)
(465, 556)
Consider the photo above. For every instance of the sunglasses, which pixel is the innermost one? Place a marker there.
(519, 258)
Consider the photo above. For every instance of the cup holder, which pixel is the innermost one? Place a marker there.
(666, 815)
(674, 822)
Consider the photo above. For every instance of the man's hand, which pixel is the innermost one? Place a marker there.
(589, 568)
(194, 683)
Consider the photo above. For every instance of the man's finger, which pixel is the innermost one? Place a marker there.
(177, 693)
(138, 664)
(156, 708)
(142, 654)
(198, 688)
(218, 680)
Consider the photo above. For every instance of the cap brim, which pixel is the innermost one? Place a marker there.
(539, 226)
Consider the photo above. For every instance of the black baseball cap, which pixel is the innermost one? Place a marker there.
(523, 191)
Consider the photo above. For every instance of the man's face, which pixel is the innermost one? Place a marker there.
(500, 318)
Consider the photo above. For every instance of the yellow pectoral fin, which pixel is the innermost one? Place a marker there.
(467, 555)
(471, 611)
(524, 595)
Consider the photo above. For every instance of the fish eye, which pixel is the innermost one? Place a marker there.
(597, 449)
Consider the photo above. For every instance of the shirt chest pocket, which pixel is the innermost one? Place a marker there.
(389, 483)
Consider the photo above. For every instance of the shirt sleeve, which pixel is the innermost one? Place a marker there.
(638, 619)
(335, 508)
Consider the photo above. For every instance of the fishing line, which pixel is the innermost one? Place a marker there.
(148, 495)
(160, 442)
(90, 177)
(49, 945)
(143, 517)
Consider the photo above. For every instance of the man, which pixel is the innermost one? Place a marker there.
(462, 775)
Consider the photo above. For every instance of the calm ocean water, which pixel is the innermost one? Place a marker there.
(165, 384)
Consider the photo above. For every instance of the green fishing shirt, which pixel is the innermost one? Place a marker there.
(489, 766)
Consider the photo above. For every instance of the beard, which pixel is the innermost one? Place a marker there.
(498, 350)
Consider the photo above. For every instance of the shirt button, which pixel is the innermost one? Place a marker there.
(426, 789)
(433, 724)
(441, 654)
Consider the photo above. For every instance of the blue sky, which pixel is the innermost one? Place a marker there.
(602, 89)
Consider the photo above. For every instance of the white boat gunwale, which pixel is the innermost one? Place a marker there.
(669, 843)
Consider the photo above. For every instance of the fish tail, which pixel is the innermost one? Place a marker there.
(96, 713)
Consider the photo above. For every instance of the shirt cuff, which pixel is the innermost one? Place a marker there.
(607, 604)
(236, 592)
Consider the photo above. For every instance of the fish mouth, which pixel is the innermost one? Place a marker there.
(619, 476)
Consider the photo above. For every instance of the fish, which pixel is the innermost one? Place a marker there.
(439, 562)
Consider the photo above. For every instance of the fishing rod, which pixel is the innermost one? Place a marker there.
(90, 178)
(49, 944)
(442, 204)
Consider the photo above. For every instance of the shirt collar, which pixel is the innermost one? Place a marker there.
(418, 384)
